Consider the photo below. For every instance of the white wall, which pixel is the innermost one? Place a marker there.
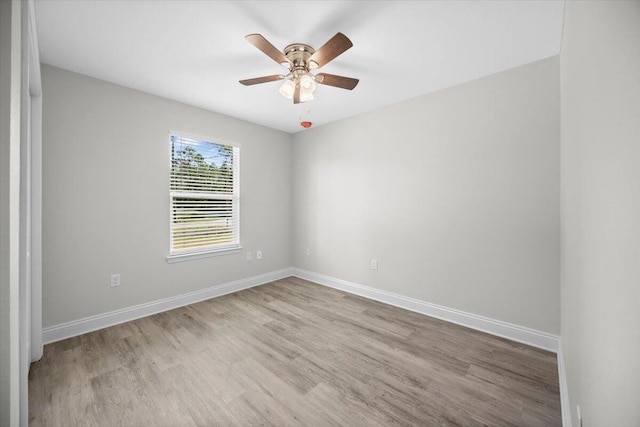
(600, 64)
(456, 193)
(106, 197)
(10, 78)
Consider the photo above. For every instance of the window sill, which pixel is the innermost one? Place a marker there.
(197, 255)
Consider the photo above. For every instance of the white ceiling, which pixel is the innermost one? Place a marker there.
(195, 52)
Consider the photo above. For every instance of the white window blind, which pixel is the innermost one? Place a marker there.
(204, 196)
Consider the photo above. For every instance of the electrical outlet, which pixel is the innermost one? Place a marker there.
(258, 254)
(308, 251)
(374, 264)
(249, 257)
(579, 416)
(115, 280)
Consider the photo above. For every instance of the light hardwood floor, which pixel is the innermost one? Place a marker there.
(292, 353)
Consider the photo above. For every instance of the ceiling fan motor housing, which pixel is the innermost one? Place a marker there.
(299, 54)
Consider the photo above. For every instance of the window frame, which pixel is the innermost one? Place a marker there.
(206, 251)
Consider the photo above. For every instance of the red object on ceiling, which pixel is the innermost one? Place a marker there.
(306, 125)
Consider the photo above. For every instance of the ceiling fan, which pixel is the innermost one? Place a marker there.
(300, 59)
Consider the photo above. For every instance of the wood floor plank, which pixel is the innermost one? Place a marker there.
(292, 353)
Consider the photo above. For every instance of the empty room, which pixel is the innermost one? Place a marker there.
(320, 213)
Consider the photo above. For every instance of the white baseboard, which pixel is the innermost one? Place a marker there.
(93, 323)
(564, 390)
(510, 331)
(495, 327)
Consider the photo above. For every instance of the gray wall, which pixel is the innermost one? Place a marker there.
(106, 197)
(600, 67)
(10, 77)
(456, 193)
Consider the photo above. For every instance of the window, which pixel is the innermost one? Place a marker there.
(204, 196)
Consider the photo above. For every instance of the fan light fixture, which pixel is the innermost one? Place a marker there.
(287, 89)
(305, 96)
(305, 82)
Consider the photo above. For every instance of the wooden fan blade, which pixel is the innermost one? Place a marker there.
(337, 81)
(296, 95)
(265, 79)
(334, 47)
(270, 50)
